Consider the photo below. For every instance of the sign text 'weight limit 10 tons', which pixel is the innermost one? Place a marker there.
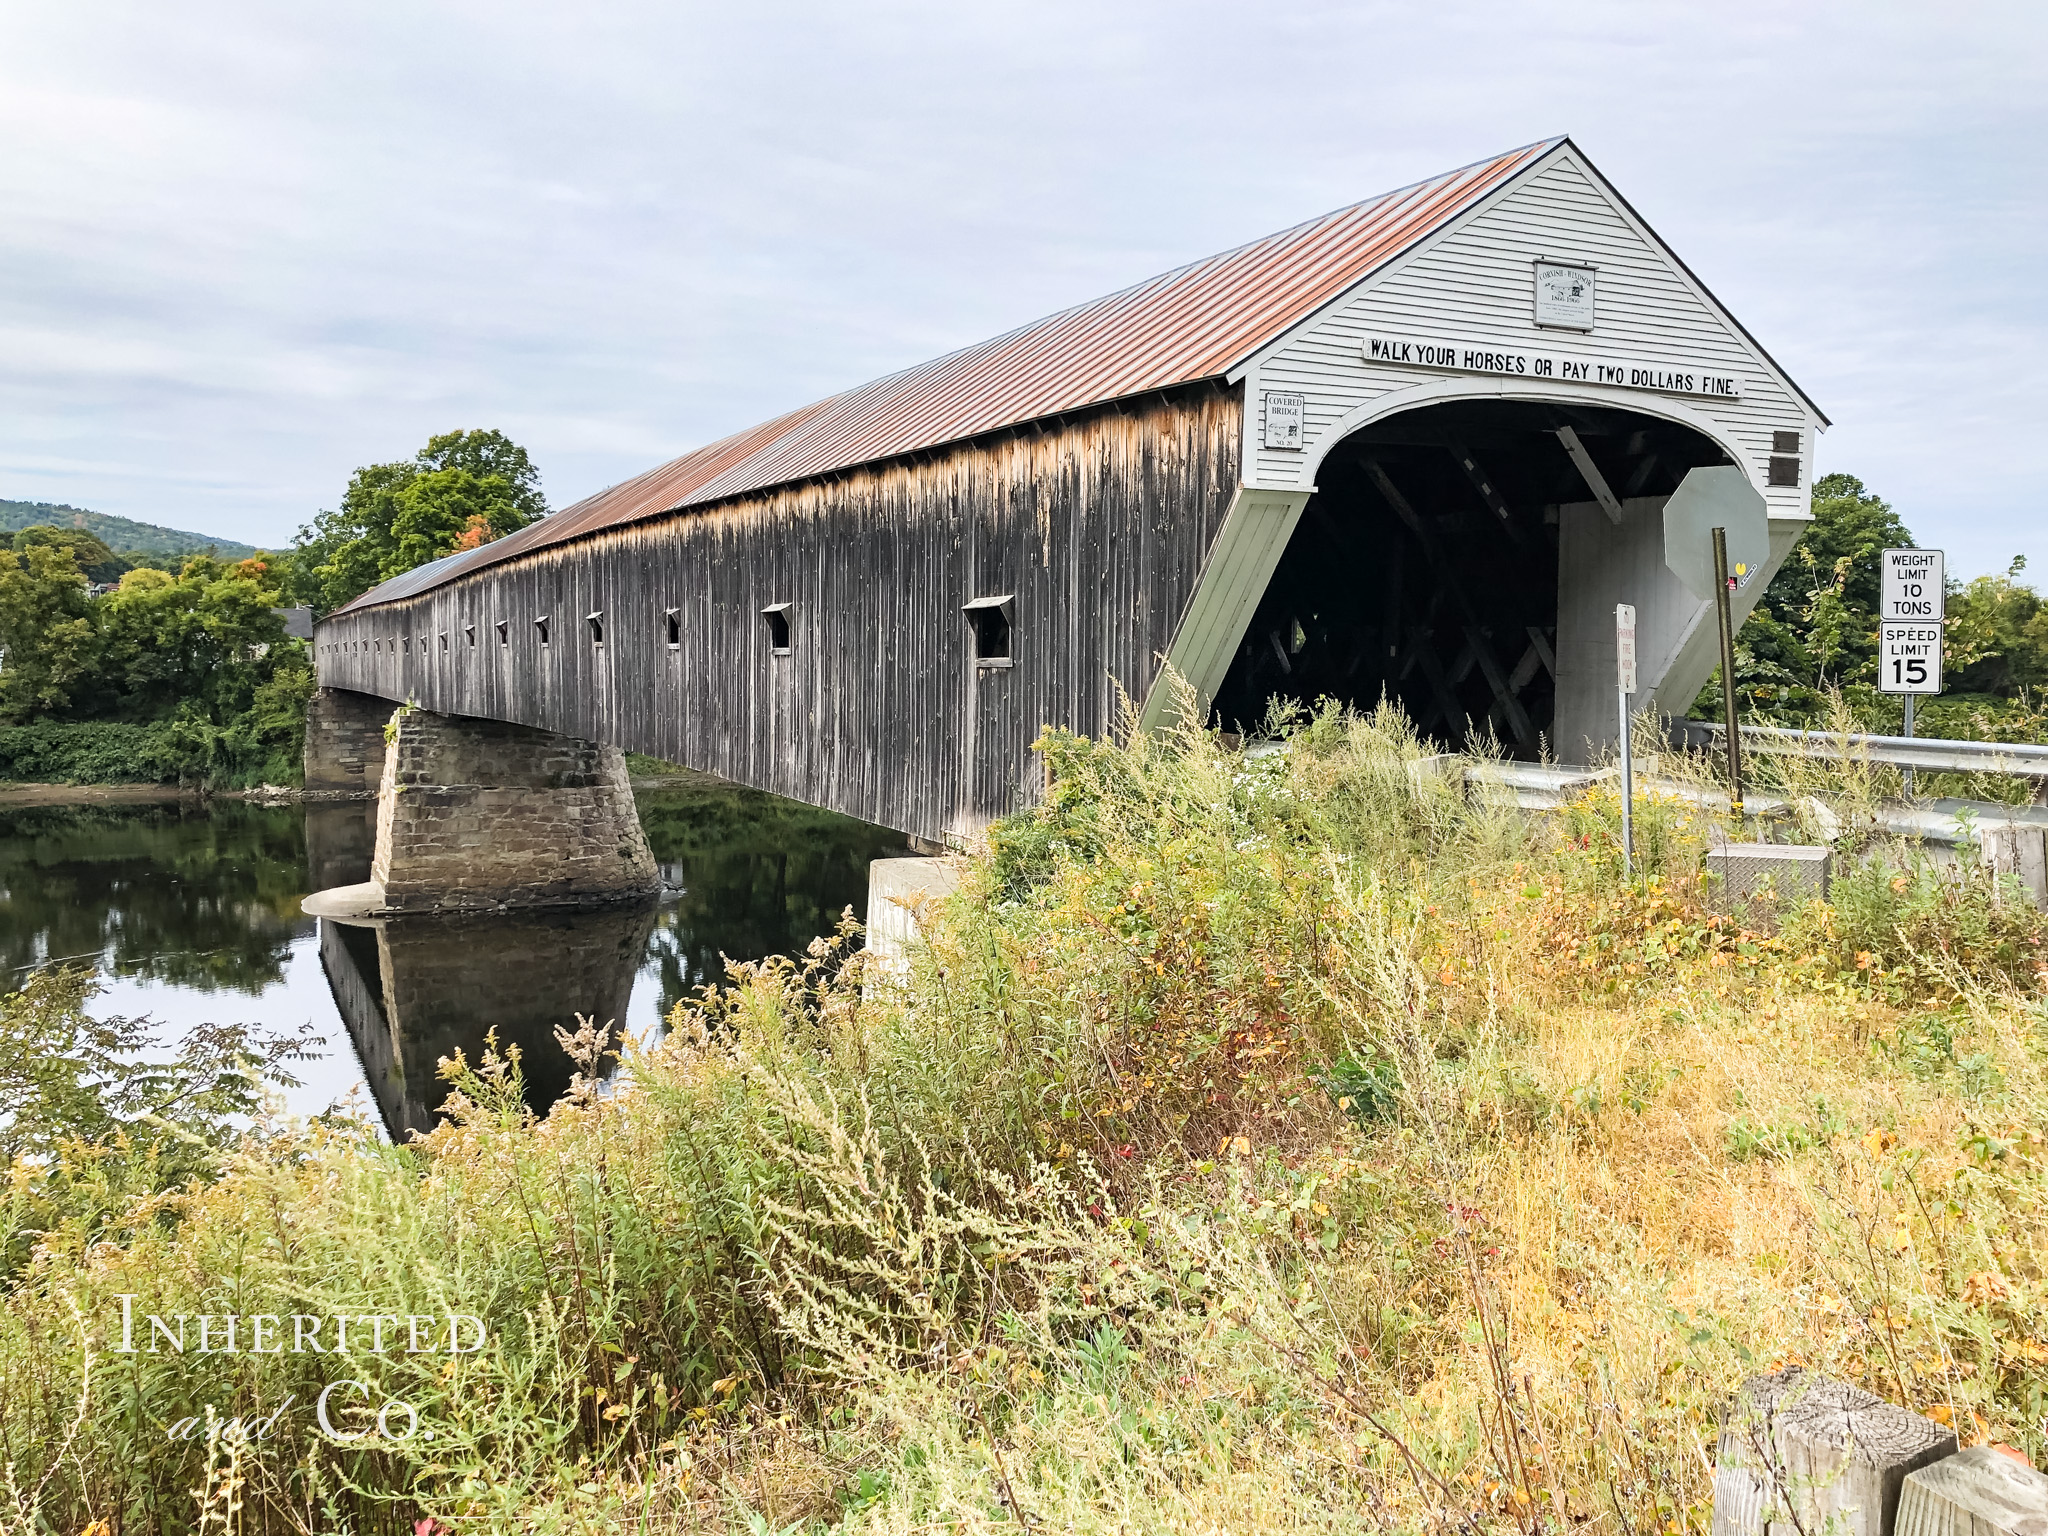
(1911, 607)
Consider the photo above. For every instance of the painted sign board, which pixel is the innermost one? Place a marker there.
(1678, 377)
(1710, 497)
(1625, 645)
(1913, 585)
(1284, 417)
(1564, 295)
(1909, 656)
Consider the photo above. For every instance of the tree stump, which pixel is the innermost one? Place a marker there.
(1982, 1492)
(1801, 1455)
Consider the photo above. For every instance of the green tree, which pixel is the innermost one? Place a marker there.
(97, 562)
(462, 489)
(199, 643)
(1997, 641)
(48, 632)
(1815, 627)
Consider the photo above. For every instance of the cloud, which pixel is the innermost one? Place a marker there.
(258, 246)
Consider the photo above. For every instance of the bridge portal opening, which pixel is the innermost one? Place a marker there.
(1425, 568)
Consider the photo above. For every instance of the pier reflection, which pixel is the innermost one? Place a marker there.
(414, 990)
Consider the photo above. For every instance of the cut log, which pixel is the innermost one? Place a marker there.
(1802, 1455)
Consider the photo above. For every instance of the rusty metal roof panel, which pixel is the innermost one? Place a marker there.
(1194, 323)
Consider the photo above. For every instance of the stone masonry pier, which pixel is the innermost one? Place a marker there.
(478, 814)
(345, 744)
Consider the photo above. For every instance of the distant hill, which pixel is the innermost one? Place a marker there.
(120, 534)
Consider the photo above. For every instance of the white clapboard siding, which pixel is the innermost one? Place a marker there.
(1471, 284)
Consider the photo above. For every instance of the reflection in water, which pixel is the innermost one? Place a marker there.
(191, 911)
(415, 990)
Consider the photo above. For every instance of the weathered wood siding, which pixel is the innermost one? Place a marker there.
(1098, 525)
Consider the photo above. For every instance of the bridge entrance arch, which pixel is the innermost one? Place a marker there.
(1461, 559)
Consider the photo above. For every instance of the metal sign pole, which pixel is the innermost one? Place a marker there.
(1909, 736)
(1721, 608)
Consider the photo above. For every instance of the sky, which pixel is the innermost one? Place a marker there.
(246, 248)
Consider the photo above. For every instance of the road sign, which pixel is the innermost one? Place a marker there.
(1909, 657)
(1625, 645)
(1708, 498)
(1913, 586)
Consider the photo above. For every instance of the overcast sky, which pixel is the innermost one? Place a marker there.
(245, 248)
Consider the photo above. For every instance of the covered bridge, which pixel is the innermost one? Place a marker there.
(1417, 448)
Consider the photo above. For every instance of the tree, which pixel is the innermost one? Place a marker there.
(95, 561)
(201, 642)
(461, 490)
(1815, 627)
(48, 630)
(1997, 639)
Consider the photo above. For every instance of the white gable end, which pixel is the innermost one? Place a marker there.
(1462, 306)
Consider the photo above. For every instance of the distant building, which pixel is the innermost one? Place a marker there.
(298, 622)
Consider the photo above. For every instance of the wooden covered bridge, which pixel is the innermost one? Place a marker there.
(1416, 447)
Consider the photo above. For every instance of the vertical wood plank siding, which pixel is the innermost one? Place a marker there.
(1098, 525)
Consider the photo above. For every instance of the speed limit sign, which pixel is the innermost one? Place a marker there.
(1909, 657)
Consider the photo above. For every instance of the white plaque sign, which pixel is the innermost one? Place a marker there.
(1625, 645)
(1678, 377)
(1564, 295)
(1283, 420)
(1909, 657)
(1913, 585)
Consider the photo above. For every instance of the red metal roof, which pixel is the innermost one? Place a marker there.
(1196, 322)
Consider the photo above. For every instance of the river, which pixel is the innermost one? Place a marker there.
(190, 912)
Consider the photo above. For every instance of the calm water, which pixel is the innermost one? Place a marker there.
(191, 913)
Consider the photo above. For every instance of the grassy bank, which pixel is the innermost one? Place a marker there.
(1256, 1144)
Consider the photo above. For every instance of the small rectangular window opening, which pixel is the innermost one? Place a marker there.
(423, 645)
(1784, 471)
(469, 630)
(540, 626)
(988, 623)
(672, 620)
(444, 642)
(596, 623)
(1784, 442)
(777, 617)
(504, 631)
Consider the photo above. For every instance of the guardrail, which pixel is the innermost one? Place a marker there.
(1929, 754)
(1545, 787)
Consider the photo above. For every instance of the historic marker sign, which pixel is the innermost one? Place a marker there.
(1625, 646)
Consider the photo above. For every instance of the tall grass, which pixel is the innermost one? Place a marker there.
(1257, 1142)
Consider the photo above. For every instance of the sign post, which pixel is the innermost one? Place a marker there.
(1717, 539)
(1723, 585)
(1910, 611)
(1625, 676)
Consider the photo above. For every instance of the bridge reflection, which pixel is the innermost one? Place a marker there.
(749, 876)
(415, 990)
